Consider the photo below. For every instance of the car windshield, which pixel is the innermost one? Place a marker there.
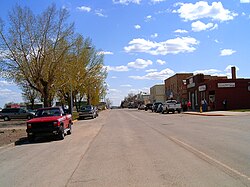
(48, 112)
(88, 107)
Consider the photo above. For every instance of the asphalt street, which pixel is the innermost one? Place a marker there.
(127, 147)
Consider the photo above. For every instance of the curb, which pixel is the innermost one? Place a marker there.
(204, 114)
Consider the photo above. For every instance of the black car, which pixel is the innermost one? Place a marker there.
(155, 106)
(148, 106)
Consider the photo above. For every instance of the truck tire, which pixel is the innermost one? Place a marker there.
(31, 138)
(61, 134)
(6, 118)
(179, 111)
(70, 129)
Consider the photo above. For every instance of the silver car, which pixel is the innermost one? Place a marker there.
(15, 113)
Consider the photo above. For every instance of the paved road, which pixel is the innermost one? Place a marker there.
(136, 148)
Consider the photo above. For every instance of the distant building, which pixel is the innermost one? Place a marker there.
(220, 93)
(157, 93)
(143, 97)
(175, 87)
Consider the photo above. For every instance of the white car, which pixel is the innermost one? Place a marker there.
(171, 106)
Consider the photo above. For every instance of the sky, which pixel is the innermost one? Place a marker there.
(148, 41)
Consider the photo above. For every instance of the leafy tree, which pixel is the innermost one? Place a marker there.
(29, 94)
(34, 48)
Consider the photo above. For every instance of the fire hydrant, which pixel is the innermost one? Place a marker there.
(200, 109)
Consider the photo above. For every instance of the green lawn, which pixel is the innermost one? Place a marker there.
(75, 115)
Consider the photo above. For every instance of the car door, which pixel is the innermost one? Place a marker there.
(22, 114)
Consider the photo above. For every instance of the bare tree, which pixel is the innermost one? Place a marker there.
(34, 47)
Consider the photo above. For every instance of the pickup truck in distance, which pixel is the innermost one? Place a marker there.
(49, 121)
(171, 106)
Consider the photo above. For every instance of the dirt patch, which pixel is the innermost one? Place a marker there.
(12, 131)
(11, 136)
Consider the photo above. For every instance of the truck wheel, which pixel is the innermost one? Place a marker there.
(31, 138)
(70, 129)
(6, 118)
(61, 135)
(179, 111)
(162, 112)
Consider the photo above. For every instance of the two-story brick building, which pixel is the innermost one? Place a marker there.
(175, 87)
(220, 93)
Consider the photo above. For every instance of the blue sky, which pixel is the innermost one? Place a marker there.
(147, 41)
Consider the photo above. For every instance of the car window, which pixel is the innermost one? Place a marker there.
(48, 112)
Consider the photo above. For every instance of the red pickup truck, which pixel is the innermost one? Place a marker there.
(49, 121)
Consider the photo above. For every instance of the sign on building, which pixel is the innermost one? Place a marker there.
(226, 85)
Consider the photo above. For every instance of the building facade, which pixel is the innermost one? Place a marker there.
(175, 87)
(157, 93)
(219, 93)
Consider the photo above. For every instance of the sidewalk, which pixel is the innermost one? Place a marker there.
(218, 113)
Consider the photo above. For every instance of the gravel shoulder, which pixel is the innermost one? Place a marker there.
(12, 131)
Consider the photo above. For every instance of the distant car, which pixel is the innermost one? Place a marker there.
(141, 107)
(15, 113)
(155, 106)
(148, 106)
(88, 111)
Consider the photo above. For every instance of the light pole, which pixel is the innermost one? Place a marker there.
(71, 100)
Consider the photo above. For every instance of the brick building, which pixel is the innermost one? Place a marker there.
(175, 87)
(234, 93)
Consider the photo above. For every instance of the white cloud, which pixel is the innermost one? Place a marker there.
(180, 31)
(105, 53)
(140, 63)
(126, 85)
(171, 46)
(84, 8)
(116, 68)
(157, 1)
(137, 26)
(162, 75)
(7, 95)
(151, 70)
(161, 62)
(100, 13)
(5, 83)
(200, 26)
(202, 9)
(155, 35)
(113, 90)
(208, 72)
(227, 52)
(244, 1)
(148, 18)
(113, 77)
(126, 2)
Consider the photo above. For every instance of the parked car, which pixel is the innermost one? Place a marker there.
(155, 106)
(88, 111)
(148, 106)
(141, 107)
(15, 113)
(171, 106)
(159, 108)
(49, 121)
